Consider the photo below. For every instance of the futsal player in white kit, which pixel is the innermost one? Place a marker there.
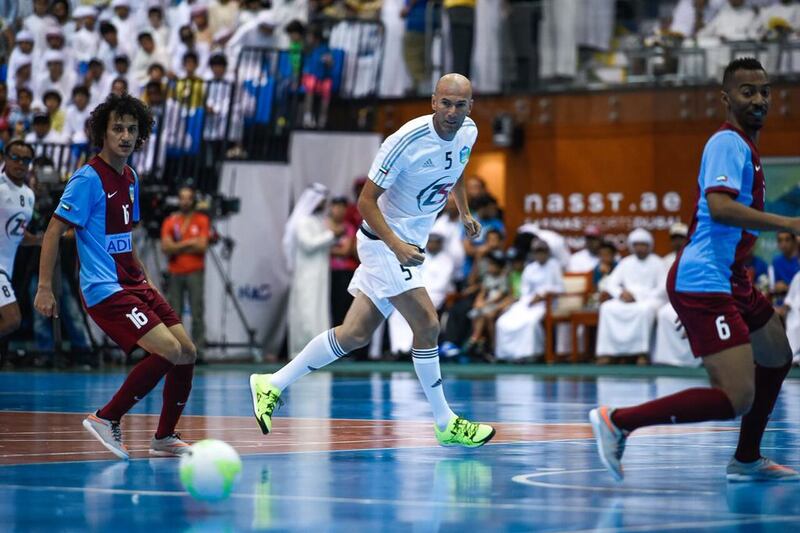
(415, 170)
(16, 209)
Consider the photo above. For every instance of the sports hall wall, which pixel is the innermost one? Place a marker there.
(619, 158)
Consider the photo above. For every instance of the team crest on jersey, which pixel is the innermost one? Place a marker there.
(16, 224)
(463, 155)
(434, 194)
(130, 192)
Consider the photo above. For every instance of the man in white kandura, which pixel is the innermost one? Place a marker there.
(415, 170)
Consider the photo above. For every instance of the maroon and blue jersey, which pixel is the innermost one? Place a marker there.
(103, 206)
(713, 259)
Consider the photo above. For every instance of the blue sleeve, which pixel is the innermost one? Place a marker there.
(724, 161)
(136, 214)
(78, 198)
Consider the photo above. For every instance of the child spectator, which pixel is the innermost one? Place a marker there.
(52, 105)
(21, 117)
(488, 303)
(317, 79)
(77, 115)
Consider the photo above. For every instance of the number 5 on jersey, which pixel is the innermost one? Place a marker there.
(138, 318)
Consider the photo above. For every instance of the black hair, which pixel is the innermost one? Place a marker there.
(497, 257)
(190, 55)
(121, 105)
(608, 245)
(295, 26)
(41, 118)
(107, 27)
(24, 90)
(495, 230)
(218, 59)
(80, 89)
(155, 65)
(742, 63)
(18, 142)
(339, 200)
(95, 61)
(151, 84)
(123, 80)
(52, 94)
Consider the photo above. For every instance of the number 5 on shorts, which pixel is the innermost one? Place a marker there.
(407, 272)
(723, 329)
(138, 318)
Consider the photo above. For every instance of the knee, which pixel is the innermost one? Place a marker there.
(427, 330)
(352, 339)
(171, 351)
(188, 354)
(742, 399)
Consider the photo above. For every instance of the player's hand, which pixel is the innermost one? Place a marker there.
(472, 226)
(408, 254)
(45, 303)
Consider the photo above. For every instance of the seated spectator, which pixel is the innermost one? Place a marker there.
(56, 42)
(122, 19)
(519, 332)
(222, 16)
(779, 20)
(486, 212)
(531, 231)
(98, 81)
(480, 265)
(42, 135)
(784, 265)
(678, 235)
(85, 41)
(122, 69)
(586, 259)
(77, 115)
(200, 25)
(20, 119)
(632, 297)
(148, 54)
(734, 22)
(187, 44)
(606, 263)
(119, 86)
(157, 27)
(110, 46)
(56, 78)
(22, 78)
(21, 54)
(488, 304)
(52, 105)
(317, 79)
(672, 346)
(791, 309)
(37, 21)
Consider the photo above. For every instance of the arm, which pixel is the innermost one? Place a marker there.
(146, 275)
(29, 239)
(725, 210)
(45, 301)
(170, 247)
(407, 254)
(196, 245)
(459, 193)
(310, 240)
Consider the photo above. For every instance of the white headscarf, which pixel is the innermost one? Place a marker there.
(305, 206)
(640, 235)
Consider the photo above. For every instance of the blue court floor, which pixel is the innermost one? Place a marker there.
(356, 454)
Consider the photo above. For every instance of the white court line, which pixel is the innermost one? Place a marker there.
(503, 505)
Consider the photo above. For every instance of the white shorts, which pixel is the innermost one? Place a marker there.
(380, 275)
(7, 295)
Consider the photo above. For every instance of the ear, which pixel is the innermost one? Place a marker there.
(433, 102)
(726, 99)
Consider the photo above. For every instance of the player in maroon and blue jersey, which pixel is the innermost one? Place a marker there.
(101, 201)
(729, 323)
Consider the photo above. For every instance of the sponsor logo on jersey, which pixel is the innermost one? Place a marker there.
(722, 178)
(119, 243)
(434, 194)
(16, 224)
(65, 207)
(463, 155)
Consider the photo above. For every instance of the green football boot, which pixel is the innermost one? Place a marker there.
(265, 399)
(462, 432)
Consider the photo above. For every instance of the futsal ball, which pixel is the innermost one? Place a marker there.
(210, 470)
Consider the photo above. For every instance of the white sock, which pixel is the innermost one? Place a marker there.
(322, 350)
(426, 364)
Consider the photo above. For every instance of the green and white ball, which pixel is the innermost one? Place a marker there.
(210, 471)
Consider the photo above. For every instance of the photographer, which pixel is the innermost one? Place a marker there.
(184, 239)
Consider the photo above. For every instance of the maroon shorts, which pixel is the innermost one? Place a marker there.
(127, 315)
(716, 321)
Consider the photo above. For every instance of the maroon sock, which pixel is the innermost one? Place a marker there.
(691, 405)
(176, 392)
(768, 385)
(137, 385)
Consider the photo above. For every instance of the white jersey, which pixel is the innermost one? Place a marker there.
(16, 209)
(418, 169)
